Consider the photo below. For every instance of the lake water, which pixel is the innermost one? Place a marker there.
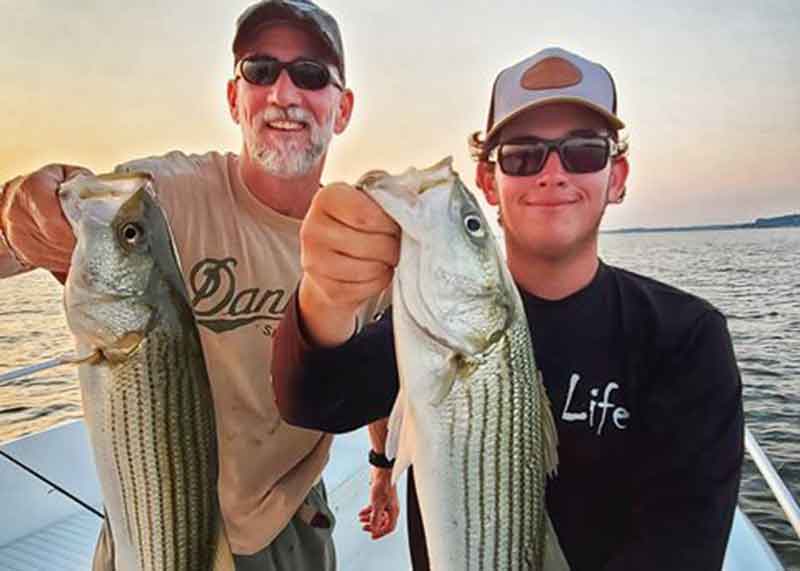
(753, 276)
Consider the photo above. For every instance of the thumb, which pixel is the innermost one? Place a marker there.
(377, 510)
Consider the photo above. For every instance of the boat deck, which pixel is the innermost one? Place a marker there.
(42, 530)
(67, 544)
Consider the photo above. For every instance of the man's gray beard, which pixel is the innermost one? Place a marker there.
(294, 158)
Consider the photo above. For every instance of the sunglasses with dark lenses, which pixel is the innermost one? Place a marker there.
(578, 154)
(305, 73)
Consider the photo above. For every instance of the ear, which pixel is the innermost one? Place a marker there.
(232, 100)
(486, 181)
(616, 182)
(344, 111)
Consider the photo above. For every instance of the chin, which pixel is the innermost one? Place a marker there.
(554, 243)
(286, 165)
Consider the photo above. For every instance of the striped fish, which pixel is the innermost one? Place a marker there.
(471, 415)
(145, 390)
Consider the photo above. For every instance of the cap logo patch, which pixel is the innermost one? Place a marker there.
(551, 73)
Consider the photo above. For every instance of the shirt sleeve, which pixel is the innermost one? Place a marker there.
(334, 389)
(690, 456)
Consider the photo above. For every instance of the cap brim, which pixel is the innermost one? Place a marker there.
(612, 119)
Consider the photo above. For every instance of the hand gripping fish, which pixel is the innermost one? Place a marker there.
(471, 415)
(145, 390)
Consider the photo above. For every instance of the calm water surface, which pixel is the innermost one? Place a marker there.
(753, 276)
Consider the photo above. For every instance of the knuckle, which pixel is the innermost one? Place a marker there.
(335, 197)
(37, 187)
(370, 215)
(312, 236)
(306, 232)
(338, 186)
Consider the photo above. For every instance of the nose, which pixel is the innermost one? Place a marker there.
(552, 174)
(283, 92)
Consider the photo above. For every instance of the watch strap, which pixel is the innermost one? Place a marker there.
(379, 460)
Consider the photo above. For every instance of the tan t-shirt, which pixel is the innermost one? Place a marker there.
(241, 263)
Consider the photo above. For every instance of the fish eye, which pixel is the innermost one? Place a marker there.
(131, 233)
(474, 225)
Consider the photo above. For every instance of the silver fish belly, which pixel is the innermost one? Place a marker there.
(480, 463)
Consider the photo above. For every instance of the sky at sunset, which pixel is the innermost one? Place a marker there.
(709, 90)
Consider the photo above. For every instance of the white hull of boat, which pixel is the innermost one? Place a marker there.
(41, 529)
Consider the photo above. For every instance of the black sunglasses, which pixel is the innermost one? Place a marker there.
(305, 73)
(579, 154)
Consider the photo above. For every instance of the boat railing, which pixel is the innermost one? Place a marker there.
(774, 480)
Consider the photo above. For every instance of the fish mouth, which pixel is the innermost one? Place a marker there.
(84, 195)
(104, 185)
(399, 195)
(439, 174)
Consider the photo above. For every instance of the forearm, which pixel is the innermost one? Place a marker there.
(324, 325)
(10, 262)
(36, 232)
(378, 431)
(333, 389)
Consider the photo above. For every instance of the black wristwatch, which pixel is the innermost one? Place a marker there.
(379, 460)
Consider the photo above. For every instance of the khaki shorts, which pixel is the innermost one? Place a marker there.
(305, 544)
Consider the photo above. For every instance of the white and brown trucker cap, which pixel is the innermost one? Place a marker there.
(552, 75)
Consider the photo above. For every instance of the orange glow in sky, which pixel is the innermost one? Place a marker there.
(710, 93)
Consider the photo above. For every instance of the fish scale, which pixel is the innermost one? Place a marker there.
(167, 478)
(146, 392)
(471, 414)
(493, 433)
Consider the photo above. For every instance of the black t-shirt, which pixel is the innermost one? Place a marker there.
(646, 395)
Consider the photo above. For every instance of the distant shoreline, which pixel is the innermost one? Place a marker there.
(786, 221)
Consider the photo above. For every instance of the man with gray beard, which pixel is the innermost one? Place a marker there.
(292, 159)
(236, 222)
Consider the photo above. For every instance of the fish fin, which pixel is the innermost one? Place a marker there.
(549, 429)
(454, 364)
(123, 347)
(117, 352)
(395, 426)
(444, 388)
(554, 559)
(223, 558)
(399, 442)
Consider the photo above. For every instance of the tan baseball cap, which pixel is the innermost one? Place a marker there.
(552, 75)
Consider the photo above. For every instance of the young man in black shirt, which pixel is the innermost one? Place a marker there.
(642, 377)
